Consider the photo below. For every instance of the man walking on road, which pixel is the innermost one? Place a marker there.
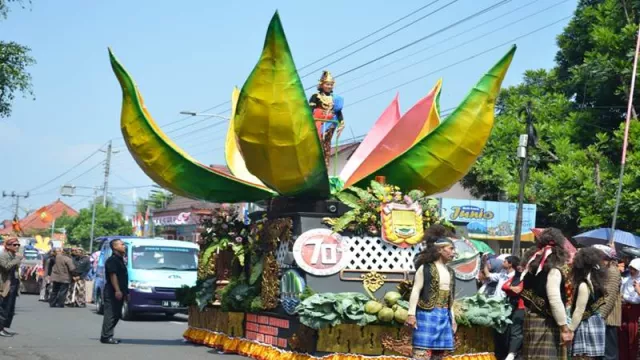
(9, 284)
(63, 268)
(116, 290)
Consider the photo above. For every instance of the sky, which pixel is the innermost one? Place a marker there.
(188, 56)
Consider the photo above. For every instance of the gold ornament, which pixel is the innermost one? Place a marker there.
(373, 281)
(270, 282)
(326, 78)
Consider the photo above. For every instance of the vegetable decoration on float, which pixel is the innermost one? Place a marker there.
(367, 205)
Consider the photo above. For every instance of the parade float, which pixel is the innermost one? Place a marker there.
(31, 272)
(325, 270)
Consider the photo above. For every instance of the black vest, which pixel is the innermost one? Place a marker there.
(534, 293)
(431, 286)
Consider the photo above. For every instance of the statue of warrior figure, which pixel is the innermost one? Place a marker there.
(327, 111)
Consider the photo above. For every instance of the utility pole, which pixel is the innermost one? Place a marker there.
(17, 200)
(625, 141)
(526, 140)
(107, 169)
(93, 219)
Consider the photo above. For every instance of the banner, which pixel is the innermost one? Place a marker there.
(490, 220)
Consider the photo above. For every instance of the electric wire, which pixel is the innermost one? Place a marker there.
(382, 38)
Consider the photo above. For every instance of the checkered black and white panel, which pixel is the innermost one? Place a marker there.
(371, 253)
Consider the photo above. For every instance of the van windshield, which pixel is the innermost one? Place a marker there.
(164, 258)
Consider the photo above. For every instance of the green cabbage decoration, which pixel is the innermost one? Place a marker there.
(329, 309)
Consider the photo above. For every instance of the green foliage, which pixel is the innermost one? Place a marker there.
(256, 271)
(14, 61)
(579, 109)
(204, 292)
(238, 295)
(307, 293)
(14, 78)
(108, 222)
(329, 309)
(4, 6)
(479, 310)
(349, 199)
(225, 231)
(366, 205)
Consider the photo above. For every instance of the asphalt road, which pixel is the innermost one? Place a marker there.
(73, 334)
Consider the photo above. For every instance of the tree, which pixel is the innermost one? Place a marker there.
(157, 199)
(579, 108)
(594, 62)
(108, 222)
(14, 60)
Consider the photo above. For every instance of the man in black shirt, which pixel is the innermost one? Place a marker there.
(116, 290)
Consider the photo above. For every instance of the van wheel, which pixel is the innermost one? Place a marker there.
(99, 303)
(127, 315)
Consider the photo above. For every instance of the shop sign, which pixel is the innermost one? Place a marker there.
(180, 219)
(321, 252)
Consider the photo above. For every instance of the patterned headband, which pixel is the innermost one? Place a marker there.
(443, 242)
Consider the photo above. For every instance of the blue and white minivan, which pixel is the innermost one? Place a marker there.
(157, 267)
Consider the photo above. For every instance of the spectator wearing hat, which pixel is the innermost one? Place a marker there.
(611, 310)
(628, 333)
(9, 284)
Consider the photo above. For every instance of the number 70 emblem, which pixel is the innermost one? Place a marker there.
(321, 252)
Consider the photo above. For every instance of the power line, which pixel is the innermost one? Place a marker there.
(382, 38)
(66, 172)
(69, 181)
(454, 47)
(460, 62)
(472, 16)
(369, 35)
(464, 32)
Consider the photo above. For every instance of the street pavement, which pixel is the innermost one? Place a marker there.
(73, 334)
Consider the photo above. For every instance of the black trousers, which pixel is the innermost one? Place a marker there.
(511, 340)
(8, 307)
(112, 313)
(611, 343)
(58, 294)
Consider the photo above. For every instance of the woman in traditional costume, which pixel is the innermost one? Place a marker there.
(628, 332)
(546, 329)
(589, 278)
(327, 111)
(431, 302)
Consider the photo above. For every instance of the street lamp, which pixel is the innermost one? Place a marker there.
(193, 113)
(70, 190)
(526, 140)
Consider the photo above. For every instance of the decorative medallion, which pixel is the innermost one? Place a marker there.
(402, 224)
(373, 281)
(466, 264)
(321, 252)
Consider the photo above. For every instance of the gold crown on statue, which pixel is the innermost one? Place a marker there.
(326, 77)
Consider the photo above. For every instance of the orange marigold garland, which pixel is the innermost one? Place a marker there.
(259, 351)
